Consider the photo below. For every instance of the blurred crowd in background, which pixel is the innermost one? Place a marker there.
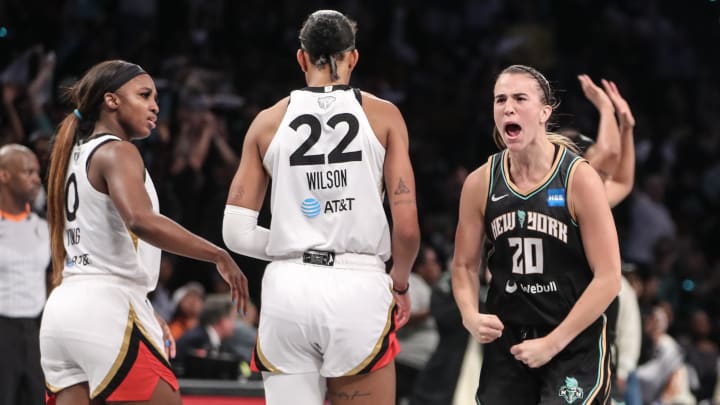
(216, 63)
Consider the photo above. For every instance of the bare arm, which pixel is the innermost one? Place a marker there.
(620, 184)
(241, 232)
(120, 166)
(600, 241)
(400, 181)
(604, 155)
(250, 183)
(467, 257)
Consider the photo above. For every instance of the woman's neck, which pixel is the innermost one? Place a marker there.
(533, 162)
(322, 82)
(315, 77)
(109, 127)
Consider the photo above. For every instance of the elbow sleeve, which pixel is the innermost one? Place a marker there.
(242, 234)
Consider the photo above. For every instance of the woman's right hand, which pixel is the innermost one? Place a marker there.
(484, 327)
(595, 94)
(621, 105)
(237, 281)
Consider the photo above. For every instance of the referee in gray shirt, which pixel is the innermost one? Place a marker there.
(24, 258)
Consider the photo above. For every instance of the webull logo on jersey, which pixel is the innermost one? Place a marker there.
(311, 207)
(530, 288)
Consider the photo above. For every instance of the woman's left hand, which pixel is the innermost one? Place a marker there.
(535, 353)
(168, 340)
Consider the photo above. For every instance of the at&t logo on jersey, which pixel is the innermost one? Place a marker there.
(310, 207)
(556, 197)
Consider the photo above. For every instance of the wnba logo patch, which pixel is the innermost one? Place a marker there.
(556, 197)
(310, 207)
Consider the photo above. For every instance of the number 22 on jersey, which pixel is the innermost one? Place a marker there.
(338, 154)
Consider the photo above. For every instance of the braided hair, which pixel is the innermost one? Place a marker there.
(326, 35)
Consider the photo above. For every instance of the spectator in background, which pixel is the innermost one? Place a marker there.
(419, 337)
(437, 383)
(188, 302)
(24, 259)
(242, 341)
(160, 297)
(651, 220)
(26, 89)
(628, 340)
(701, 354)
(663, 378)
(205, 340)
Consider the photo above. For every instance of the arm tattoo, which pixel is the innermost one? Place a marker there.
(401, 188)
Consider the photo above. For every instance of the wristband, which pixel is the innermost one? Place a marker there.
(403, 291)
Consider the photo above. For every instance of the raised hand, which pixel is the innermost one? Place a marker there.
(595, 94)
(622, 108)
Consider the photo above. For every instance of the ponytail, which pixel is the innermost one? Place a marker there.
(563, 140)
(59, 161)
(87, 96)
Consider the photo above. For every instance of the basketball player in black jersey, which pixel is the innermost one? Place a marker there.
(555, 259)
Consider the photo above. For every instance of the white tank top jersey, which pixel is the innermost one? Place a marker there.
(97, 241)
(326, 165)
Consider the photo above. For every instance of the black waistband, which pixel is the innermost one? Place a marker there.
(319, 257)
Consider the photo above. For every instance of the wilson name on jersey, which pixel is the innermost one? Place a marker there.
(326, 165)
(537, 262)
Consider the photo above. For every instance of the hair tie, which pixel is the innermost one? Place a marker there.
(77, 113)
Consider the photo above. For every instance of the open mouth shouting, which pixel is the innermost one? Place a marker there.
(512, 130)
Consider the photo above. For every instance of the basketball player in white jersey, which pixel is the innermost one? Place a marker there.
(328, 314)
(100, 340)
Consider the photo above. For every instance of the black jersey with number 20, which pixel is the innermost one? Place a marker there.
(537, 261)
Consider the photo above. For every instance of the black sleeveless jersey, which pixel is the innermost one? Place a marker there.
(537, 261)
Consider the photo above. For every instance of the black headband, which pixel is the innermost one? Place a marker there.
(123, 75)
(544, 84)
